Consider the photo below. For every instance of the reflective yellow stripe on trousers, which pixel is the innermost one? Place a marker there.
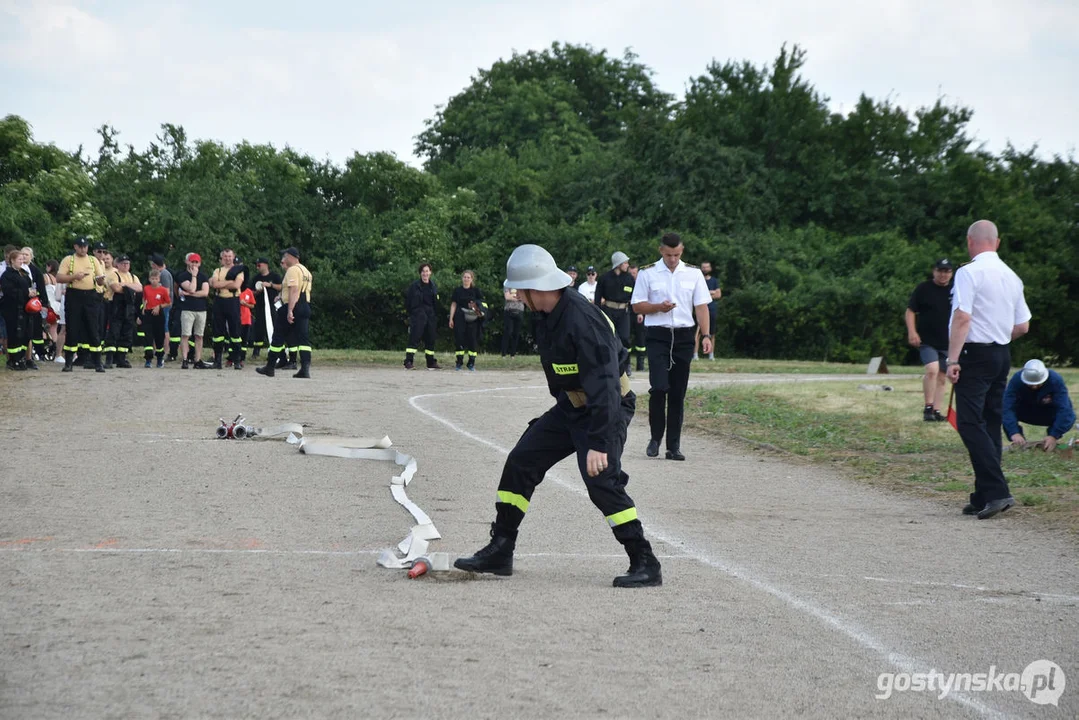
(621, 518)
(518, 501)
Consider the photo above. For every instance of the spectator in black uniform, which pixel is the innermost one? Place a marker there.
(512, 314)
(466, 312)
(582, 360)
(613, 294)
(928, 313)
(15, 284)
(266, 285)
(36, 347)
(420, 300)
(123, 311)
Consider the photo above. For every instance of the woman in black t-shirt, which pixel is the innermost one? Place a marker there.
(466, 313)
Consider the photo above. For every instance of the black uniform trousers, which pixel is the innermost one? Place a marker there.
(670, 353)
(466, 337)
(174, 330)
(511, 331)
(121, 327)
(622, 328)
(638, 341)
(549, 439)
(153, 328)
(979, 409)
(82, 312)
(421, 327)
(36, 337)
(260, 335)
(227, 332)
(291, 336)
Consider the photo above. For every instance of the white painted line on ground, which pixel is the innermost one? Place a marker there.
(903, 663)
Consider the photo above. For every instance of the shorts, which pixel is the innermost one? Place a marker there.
(928, 354)
(165, 312)
(193, 322)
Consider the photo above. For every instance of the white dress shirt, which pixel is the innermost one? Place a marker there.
(589, 291)
(685, 286)
(992, 294)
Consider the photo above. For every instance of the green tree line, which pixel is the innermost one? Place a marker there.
(819, 224)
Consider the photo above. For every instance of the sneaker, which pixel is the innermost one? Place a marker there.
(148, 364)
(409, 365)
(937, 417)
(184, 366)
(200, 365)
(161, 362)
(472, 368)
(927, 414)
(238, 365)
(228, 363)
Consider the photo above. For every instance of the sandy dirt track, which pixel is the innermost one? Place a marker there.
(148, 570)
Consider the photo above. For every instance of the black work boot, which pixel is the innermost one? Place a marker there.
(305, 371)
(496, 558)
(644, 568)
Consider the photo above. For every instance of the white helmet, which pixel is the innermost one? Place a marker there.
(530, 267)
(618, 258)
(1035, 372)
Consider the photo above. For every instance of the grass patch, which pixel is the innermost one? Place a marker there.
(490, 361)
(880, 437)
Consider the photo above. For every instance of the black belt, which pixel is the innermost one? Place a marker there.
(982, 345)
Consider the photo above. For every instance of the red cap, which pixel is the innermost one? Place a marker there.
(193, 257)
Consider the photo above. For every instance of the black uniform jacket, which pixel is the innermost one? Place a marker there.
(579, 351)
(420, 298)
(615, 287)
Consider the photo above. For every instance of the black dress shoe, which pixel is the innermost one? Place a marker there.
(653, 448)
(675, 455)
(969, 509)
(995, 506)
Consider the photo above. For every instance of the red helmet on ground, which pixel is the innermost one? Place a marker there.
(33, 305)
(51, 317)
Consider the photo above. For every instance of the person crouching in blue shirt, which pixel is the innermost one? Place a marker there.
(1037, 395)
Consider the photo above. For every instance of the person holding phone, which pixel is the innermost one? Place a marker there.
(671, 295)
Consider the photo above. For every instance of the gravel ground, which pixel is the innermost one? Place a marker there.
(151, 571)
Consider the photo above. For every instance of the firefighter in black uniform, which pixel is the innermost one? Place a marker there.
(228, 281)
(582, 360)
(290, 329)
(85, 278)
(36, 346)
(613, 294)
(266, 285)
(123, 310)
(420, 299)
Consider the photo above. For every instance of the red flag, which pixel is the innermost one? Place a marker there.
(953, 419)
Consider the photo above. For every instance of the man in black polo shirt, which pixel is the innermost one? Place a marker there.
(927, 316)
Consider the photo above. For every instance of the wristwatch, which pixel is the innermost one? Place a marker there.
(949, 362)
(706, 336)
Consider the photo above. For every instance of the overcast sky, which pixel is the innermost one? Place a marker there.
(331, 77)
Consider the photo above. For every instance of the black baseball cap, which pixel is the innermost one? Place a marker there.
(262, 261)
(571, 268)
(157, 259)
(944, 264)
(590, 270)
(237, 260)
(81, 241)
(291, 251)
(100, 245)
(123, 258)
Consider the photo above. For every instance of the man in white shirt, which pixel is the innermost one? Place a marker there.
(671, 295)
(988, 312)
(588, 287)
